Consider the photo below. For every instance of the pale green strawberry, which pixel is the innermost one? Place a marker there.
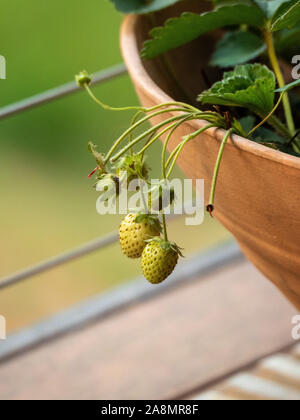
(135, 230)
(159, 259)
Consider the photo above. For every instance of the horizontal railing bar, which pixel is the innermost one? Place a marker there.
(59, 92)
(105, 304)
(70, 255)
(59, 260)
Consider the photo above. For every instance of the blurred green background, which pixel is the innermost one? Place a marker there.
(47, 201)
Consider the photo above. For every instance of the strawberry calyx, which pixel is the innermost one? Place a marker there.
(134, 165)
(166, 245)
(149, 218)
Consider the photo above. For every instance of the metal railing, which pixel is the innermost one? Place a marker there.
(60, 91)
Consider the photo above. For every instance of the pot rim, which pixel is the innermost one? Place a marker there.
(144, 82)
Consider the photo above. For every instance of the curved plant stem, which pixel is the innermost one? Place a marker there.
(278, 125)
(164, 149)
(182, 144)
(137, 108)
(158, 135)
(110, 108)
(210, 206)
(267, 117)
(133, 121)
(139, 138)
(174, 127)
(134, 126)
(164, 224)
(275, 64)
(296, 148)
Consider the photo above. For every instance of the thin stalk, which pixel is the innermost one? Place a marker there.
(134, 126)
(172, 154)
(110, 108)
(139, 138)
(182, 144)
(137, 108)
(158, 135)
(279, 126)
(133, 121)
(147, 142)
(296, 148)
(275, 64)
(164, 224)
(174, 127)
(267, 117)
(164, 149)
(210, 206)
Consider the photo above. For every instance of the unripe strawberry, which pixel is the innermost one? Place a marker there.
(135, 230)
(159, 259)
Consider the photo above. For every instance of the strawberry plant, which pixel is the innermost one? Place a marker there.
(252, 100)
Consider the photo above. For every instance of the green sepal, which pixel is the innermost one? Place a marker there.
(134, 165)
(92, 148)
(149, 218)
(167, 245)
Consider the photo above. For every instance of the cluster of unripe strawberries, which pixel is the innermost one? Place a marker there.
(144, 235)
(140, 238)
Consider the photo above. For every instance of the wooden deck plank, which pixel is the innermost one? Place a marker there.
(162, 348)
(276, 377)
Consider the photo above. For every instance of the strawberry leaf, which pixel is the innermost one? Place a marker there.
(251, 86)
(237, 48)
(288, 39)
(189, 26)
(266, 136)
(247, 123)
(286, 16)
(141, 6)
(269, 6)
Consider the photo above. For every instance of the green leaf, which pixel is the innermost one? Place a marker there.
(288, 40)
(288, 87)
(142, 6)
(269, 6)
(247, 123)
(237, 48)
(286, 16)
(265, 135)
(189, 26)
(251, 86)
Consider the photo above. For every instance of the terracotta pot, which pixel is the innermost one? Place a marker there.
(257, 196)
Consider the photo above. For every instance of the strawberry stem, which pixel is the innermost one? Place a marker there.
(142, 136)
(137, 108)
(210, 206)
(164, 224)
(276, 67)
(181, 145)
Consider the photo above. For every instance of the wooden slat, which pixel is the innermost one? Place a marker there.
(162, 348)
(274, 378)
